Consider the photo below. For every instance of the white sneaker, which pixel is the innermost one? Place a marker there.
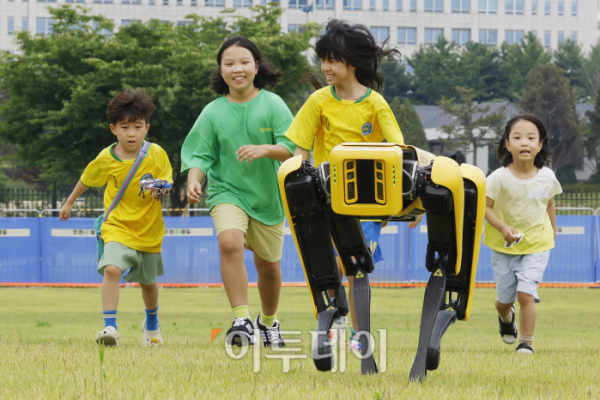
(334, 332)
(151, 338)
(109, 336)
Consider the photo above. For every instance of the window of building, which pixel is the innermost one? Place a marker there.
(184, 23)
(407, 35)
(547, 39)
(534, 7)
(561, 8)
(352, 4)
(193, 3)
(413, 5)
(574, 36)
(574, 8)
(43, 26)
(434, 6)
(325, 4)
(104, 31)
(461, 36)
(514, 6)
(488, 6)
(74, 1)
(380, 33)
(294, 27)
(512, 37)
(103, 1)
(125, 22)
(561, 37)
(134, 2)
(386, 5)
(371, 5)
(46, 1)
(25, 24)
(461, 6)
(213, 3)
(488, 36)
(432, 35)
(398, 5)
(247, 3)
(547, 7)
(10, 22)
(180, 3)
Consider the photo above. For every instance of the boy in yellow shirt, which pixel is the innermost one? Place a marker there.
(134, 229)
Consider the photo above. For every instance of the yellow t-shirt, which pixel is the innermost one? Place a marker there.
(136, 222)
(522, 204)
(327, 121)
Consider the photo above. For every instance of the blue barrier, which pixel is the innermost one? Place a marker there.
(47, 250)
(20, 250)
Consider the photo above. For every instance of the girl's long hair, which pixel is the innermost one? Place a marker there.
(267, 75)
(353, 45)
(542, 158)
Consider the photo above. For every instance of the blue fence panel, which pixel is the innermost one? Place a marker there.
(418, 251)
(572, 259)
(68, 251)
(20, 250)
(291, 268)
(190, 251)
(395, 249)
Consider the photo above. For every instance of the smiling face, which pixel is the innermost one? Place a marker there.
(130, 135)
(238, 69)
(337, 72)
(524, 142)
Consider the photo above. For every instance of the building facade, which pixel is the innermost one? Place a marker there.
(407, 23)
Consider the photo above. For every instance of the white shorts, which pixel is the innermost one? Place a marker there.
(518, 273)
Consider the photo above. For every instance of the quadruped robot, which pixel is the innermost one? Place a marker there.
(388, 182)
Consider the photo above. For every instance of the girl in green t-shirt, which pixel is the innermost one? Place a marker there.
(238, 142)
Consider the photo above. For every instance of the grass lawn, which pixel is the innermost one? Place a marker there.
(47, 350)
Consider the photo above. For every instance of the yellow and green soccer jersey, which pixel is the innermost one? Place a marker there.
(327, 121)
(136, 222)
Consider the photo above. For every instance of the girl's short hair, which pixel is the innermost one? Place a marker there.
(130, 106)
(267, 75)
(542, 158)
(353, 45)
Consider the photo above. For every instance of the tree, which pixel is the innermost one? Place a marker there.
(481, 70)
(549, 96)
(59, 88)
(591, 72)
(437, 72)
(473, 127)
(568, 57)
(397, 81)
(521, 58)
(410, 123)
(592, 139)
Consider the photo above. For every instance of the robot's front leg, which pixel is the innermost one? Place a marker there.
(307, 210)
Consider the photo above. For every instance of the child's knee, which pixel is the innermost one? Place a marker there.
(230, 246)
(112, 272)
(525, 298)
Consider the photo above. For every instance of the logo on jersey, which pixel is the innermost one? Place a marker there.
(327, 123)
(367, 128)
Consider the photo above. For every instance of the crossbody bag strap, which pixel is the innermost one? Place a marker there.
(136, 164)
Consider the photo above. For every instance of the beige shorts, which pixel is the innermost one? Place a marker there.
(137, 266)
(265, 240)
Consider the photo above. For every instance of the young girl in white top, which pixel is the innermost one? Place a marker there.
(521, 223)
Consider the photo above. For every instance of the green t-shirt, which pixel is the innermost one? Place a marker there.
(222, 128)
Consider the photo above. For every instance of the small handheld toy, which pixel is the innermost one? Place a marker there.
(148, 183)
(519, 237)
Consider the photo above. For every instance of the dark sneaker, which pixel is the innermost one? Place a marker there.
(508, 330)
(524, 348)
(271, 337)
(241, 333)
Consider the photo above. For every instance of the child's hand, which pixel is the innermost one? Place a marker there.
(413, 224)
(157, 196)
(194, 190)
(509, 234)
(251, 152)
(65, 212)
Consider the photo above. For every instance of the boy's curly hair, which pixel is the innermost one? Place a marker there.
(130, 106)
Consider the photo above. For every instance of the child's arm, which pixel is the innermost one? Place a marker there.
(65, 211)
(194, 189)
(508, 232)
(253, 152)
(301, 152)
(552, 214)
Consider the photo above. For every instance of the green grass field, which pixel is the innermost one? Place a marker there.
(47, 350)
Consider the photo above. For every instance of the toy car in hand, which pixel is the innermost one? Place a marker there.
(149, 183)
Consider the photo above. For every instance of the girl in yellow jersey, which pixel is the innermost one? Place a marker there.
(346, 109)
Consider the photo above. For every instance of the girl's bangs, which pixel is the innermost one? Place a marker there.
(326, 50)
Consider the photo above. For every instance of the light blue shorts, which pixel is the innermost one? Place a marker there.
(518, 273)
